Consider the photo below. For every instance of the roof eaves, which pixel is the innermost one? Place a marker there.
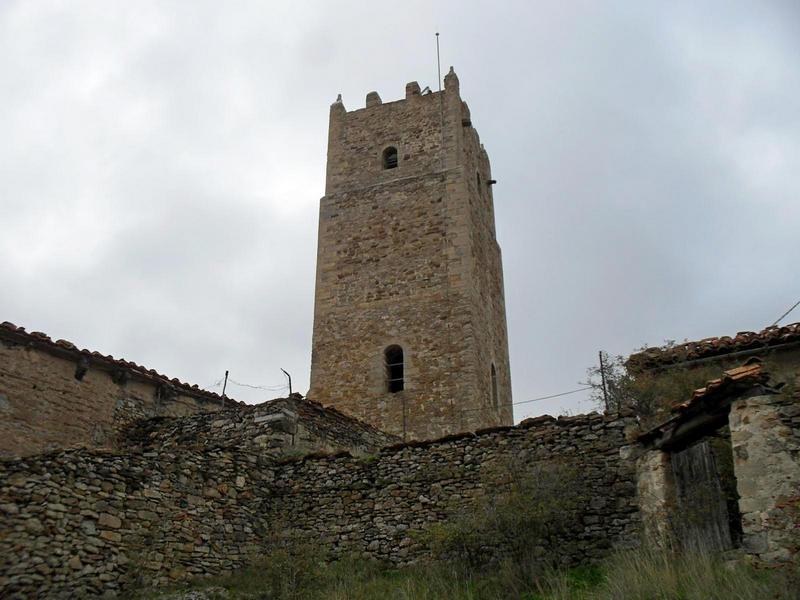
(713, 396)
(66, 349)
(770, 337)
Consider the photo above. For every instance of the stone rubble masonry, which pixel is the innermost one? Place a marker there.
(655, 490)
(765, 440)
(278, 427)
(375, 508)
(44, 406)
(85, 522)
(765, 435)
(408, 256)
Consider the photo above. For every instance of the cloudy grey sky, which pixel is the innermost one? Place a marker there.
(162, 162)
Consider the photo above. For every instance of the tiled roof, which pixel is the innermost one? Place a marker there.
(65, 349)
(714, 394)
(714, 346)
(748, 374)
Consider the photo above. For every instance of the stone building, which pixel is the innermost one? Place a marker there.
(113, 475)
(409, 318)
(723, 469)
(777, 347)
(723, 472)
(55, 395)
(161, 483)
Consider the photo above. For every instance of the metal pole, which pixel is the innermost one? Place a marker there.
(290, 381)
(224, 385)
(603, 378)
(441, 100)
(438, 62)
(443, 159)
(796, 304)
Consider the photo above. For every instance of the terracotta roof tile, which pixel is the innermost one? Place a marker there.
(43, 342)
(748, 373)
(714, 346)
(714, 393)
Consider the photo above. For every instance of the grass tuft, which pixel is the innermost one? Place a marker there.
(633, 575)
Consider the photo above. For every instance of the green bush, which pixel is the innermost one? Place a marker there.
(525, 519)
(288, 572)
(649, 394)
(506, 547)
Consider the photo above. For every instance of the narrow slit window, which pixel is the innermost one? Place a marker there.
(495, 399)
(393, 357)
(390, 158)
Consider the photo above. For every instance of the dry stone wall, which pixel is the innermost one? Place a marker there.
(374, 508)
(83, 523)
(279, 427)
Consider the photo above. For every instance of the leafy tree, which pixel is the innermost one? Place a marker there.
(613, 387)
(650, 394)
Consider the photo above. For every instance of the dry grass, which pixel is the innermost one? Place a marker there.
(650, 575)
(638, 575)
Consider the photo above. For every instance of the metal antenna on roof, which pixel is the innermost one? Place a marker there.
(290, 381)
(224, 385)
(438, 63)
(603, 378)
(441, 100)
(784, 315)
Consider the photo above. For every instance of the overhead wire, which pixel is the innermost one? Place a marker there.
(539, 399)
(784, 315)
(552, 396)
(276, 388)
(268, 388)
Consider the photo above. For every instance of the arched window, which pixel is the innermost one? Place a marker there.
(393, 357)
(390, 158)
(495, 399)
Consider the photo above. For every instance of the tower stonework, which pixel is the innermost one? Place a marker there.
(409, 317)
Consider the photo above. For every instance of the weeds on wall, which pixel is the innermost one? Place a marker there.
(525, 520)
(503, 548)
(650, 395)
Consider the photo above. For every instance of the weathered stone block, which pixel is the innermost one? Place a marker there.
(108, 520)
(111, 536)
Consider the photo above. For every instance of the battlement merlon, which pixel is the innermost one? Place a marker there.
(451, 84)
(427, 132)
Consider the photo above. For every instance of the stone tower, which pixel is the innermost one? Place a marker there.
(409, 316)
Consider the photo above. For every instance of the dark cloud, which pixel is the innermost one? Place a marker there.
(163, 163)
